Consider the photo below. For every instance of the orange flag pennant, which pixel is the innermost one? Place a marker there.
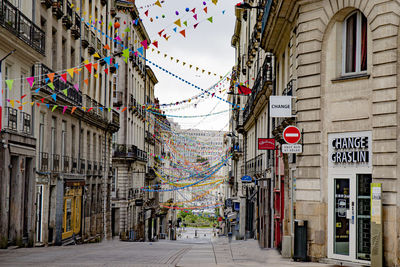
(51, 76)
(183, 33)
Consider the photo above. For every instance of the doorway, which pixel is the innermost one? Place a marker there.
(349, 217)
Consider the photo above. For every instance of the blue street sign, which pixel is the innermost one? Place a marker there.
(247, 179)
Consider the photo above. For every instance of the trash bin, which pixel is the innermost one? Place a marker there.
(300, 240)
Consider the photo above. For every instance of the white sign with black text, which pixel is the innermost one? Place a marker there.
(292, 148)
(280, 106)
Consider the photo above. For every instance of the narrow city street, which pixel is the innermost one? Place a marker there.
(205, 250)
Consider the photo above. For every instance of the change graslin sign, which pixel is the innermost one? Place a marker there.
(280, 106)
(350, 149)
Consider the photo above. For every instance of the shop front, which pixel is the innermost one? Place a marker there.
(349, 185)
(72, 207)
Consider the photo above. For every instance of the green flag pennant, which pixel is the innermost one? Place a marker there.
(127, 29)
(210, 19)
(65, 91)
(109, 109)
(9, 84)
(185, 22)
(51, 85)
(55, 106)
(125, 54)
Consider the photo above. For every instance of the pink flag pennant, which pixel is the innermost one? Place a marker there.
(76, 86)
(30, 80)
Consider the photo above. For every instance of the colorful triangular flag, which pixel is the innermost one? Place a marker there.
(30, 80)
(183, 33)
(9, 84)
(178, 22)
(210, 19)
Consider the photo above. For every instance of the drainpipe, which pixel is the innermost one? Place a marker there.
(105, 192)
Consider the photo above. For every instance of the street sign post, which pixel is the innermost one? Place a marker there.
(291, 135)
(292, 148)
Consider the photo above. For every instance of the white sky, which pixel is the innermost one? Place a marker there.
(208, 47)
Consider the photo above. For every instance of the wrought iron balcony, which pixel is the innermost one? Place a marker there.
(26, 123)
(149, 138)
(117, 98)
(82, 168)
(239, 121)
(68, 17)
(74, 167)
(86, 36)
(65, 162)
(47, 3)
(92, 43)
(43, 161)
(73, 97)
(58, 7)
(125, 151)
(115, 120)
(76, 28)
(55, 162)
(17, 23)
(89, 165)
(12, 119)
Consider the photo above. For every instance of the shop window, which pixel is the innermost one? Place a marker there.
(355, 43)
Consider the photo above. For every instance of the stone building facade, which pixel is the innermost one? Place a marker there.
(339, 60)
(18, 143)
(133, 208)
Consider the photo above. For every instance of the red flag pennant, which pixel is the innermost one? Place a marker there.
(194, 10)
(195, 16)
(183, 33)
(22, 97)
(106, 71)
(160, 33)
(107, 47)
(42, 100)
(64, 77)
(146, 13)
(205, 9)
(89, 109)
(144, 44)
(89, 67)
(38, 104)
(244, 90)
(155, 43)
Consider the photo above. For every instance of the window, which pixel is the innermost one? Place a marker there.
(355, 43)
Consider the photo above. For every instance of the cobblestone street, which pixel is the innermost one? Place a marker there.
(188, 251)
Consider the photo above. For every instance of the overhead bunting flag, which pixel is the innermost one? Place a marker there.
(160, 32)
(107, 47)
(96, 55)
(146, 13)
(86, 81)
(175, 29)
(51, 85)
(183, 33)
(55, 106)
(127, 29)
(157, 3)
(73, 109)
(64, 77)
(76, 86)
(195, 16)
(140, 50)
(205, 9)
(155, 43)
(125, 54)
(107, 60)
(215, 2)
(106, 71)
(71, 72)
(178, 22)
(185, 23)
(95, 66)
(54, 96)
(243, 90)
(195, 25)
(144, 44)
(210, 19)
(30, 80)
(65, 91)
(193, 10)
(89, 67)
(64, 109)
(9, 84)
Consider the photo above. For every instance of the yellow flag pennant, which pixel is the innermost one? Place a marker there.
(71, 72)
(96, 55)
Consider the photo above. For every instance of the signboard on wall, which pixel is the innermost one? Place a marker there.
(353, 149)
(266, 144)
(280, 106)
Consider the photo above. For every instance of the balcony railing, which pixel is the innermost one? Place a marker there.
(26, 123)
(55, 162)
(68, 15)
(82, 168)
(58, 7)
(86, 36)
(65, 162)
(118, 98)
(74, 167)
(74, 97)
(16, 22)
(76, 28)
(43, 161)
(12, 118)
(256, 165)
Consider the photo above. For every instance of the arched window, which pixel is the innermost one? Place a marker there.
(355, 43)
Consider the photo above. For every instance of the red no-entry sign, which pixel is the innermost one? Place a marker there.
(291, 135)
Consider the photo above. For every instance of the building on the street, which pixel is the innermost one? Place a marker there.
(134, 211)
(329, 57)
(64, 156)
(73, 182)
(17, 140)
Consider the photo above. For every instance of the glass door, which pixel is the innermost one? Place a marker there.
(341, 238)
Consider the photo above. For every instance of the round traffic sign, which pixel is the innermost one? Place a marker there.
(291, 135)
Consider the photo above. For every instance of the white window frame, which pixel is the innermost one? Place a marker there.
(358, 44)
